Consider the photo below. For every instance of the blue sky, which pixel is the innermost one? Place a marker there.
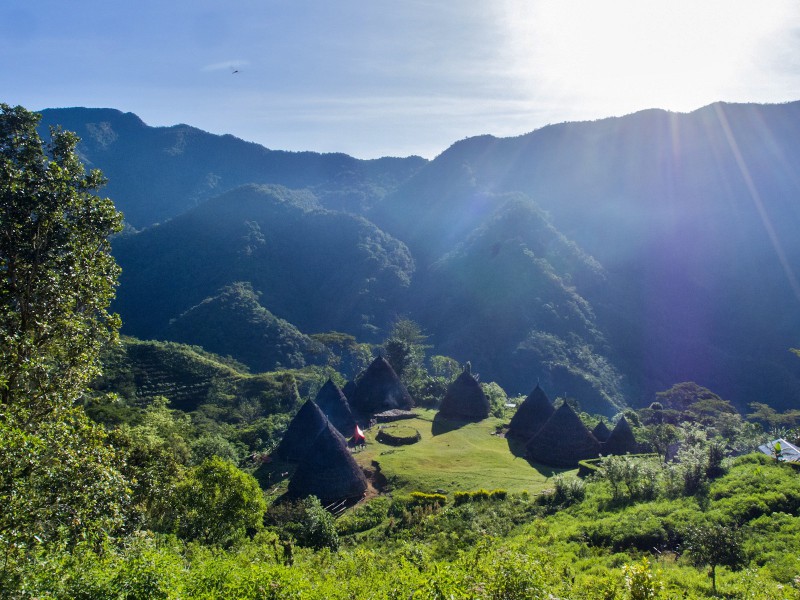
(375, 78)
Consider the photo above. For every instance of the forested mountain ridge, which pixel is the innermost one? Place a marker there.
(611, 259)
(692, 217)
(317, 269)
(156, 173)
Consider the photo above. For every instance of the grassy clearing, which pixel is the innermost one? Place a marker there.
(460, 457)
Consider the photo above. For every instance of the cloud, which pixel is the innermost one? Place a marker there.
(226, 65)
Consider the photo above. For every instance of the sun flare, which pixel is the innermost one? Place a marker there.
(635, 54)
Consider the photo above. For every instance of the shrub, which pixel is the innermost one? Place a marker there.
(460, 498)
(427, 500)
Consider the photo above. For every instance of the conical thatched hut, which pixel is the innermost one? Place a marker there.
(379, 389)
(465, 400)
(531, 415)
(334, 406)
(349, 390)
(621, 441)
(328, 471)
(601, 432)
(563, 441)
(302, 431)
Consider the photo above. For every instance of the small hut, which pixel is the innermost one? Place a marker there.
(379, 389)
(333, 404)
(601, 431)
(349, 390)
(531, 415)
(328, 470)
(563, 441)
(465, 400)
(302, 430)
(621, 441)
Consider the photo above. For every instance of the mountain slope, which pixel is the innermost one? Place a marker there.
(156, 173)
(318, 269)
(233, 323)
(692, 216)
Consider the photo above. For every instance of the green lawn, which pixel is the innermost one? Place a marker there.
(461, 457)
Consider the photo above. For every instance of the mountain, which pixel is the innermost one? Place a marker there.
(233, 323)
(156, 173)
(610, 259)
(320, 270)
(693, 218)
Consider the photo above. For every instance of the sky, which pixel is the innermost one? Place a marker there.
(378, 78)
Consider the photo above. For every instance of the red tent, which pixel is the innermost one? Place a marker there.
(358, 437)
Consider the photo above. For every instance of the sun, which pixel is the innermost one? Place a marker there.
(632, 54)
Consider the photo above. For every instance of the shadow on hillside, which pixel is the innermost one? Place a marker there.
(441, 425)
(517, 447)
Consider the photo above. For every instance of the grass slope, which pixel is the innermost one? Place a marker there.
(464, 457)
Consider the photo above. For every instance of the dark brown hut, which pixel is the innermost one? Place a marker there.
(303, 429)
(348, 390)
(531, 415)
(379, 389)
(621, 441)
(465, 400)
(333, 404)
(601, 432)
(328, 470)
(563, 441)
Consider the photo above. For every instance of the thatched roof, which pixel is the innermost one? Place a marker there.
(328, 471)
(621, 440)
(379, 389)
(531, 415)
(465, 400)
(302, 431)
(331, 400)
(601, 432)
(563, 441)
(349, 389)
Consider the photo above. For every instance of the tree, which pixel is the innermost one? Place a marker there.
(215, 504)
(405, 350)
(57, 275)
(58, 484)
(714, 544)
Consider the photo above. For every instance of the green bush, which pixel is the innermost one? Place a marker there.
(460, 498)
(422, 499)
(215, 503)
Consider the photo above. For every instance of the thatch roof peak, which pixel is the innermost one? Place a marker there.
(302, 430)
(379, 389)
(328, 470)
(531, 415)
(563, 441)
(465, 399)
(601, 431)
(621, 441)
(334, 405)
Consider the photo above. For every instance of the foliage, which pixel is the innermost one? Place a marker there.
(215, 503)
(305, 522)
(640, 581)
(57, 273)
(366, 516)
(233, 322)
(58, 482)
(497, 398)
(481, 495)
(715, 544)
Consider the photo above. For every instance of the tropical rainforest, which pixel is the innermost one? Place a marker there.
(159, 345)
